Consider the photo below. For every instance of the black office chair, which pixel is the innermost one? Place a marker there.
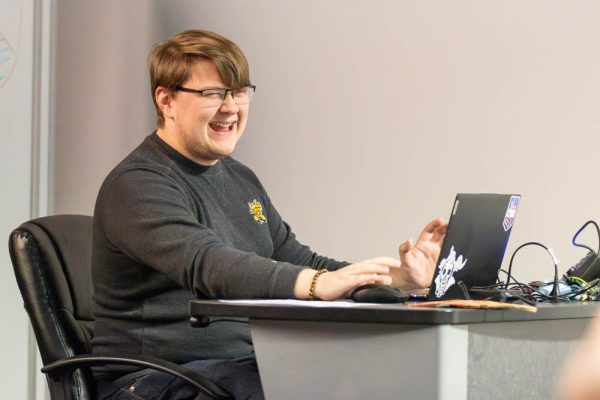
(51, 258)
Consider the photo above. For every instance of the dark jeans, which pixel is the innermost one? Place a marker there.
(239, 377)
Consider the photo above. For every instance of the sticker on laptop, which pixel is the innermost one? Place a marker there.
(448, 267)
(511, 212)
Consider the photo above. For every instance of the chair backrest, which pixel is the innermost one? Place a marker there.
(51, 257)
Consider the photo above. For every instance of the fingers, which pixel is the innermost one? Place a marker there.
(406, 246)
(443, 228)
(435, 231)
(373, 279)
(365, 279)
(434, 225)
(367, 267)
(404, 250)
(375, 270)
(384, 261)
(339, 283)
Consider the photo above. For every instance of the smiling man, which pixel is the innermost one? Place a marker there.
(180, 219)
(203, 125)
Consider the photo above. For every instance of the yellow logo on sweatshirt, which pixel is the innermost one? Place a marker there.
(256, 210)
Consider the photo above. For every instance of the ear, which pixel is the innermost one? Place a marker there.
(164, 98)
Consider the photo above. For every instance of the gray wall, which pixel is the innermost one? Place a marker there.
(369, 116)
(102, 97)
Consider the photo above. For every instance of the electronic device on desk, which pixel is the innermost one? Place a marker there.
(478, 231)
(588, 268)
(579, 283)
(378, 294)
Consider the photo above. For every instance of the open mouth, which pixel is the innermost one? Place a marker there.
(222, 127)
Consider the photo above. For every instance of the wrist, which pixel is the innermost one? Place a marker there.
(303, 283)
(313, 285)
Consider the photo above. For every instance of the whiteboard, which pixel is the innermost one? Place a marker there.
(11, 18)
(16, 127)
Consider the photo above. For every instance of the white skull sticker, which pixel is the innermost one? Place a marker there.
(445, 276)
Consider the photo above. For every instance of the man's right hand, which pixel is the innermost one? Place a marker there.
(338, 284)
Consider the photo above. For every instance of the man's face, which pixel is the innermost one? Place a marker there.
(203, 134)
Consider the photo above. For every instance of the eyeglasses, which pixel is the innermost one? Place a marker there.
(214, 97)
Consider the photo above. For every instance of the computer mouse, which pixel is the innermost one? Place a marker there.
(378, 294)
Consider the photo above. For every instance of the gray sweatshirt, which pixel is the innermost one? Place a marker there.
(167, 230)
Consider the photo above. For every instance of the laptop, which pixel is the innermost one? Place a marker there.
(474, 246)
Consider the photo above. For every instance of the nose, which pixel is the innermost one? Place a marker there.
(229, 106)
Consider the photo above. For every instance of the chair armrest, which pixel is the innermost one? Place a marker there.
(68, 365)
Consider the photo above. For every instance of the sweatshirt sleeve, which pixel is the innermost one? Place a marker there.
(150, 219)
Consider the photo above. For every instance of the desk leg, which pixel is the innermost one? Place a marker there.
(325, 360)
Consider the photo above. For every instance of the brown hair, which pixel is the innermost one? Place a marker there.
(171, 62)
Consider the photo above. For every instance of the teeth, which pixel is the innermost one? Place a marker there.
(221, 124)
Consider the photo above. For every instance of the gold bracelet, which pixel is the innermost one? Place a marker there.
(311, 292)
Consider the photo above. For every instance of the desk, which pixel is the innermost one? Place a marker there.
(391, 351)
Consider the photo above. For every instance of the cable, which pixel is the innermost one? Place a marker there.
(533, 291)
(554, 292)
(584, 286)
(574, 241)
(465, 290)
(529, 294)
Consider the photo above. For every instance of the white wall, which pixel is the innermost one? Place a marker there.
(369, 116)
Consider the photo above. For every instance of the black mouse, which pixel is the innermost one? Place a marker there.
(378, 294)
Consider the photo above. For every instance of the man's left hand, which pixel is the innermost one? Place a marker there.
(419, 259)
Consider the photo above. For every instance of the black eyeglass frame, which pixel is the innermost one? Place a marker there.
(201, 92)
